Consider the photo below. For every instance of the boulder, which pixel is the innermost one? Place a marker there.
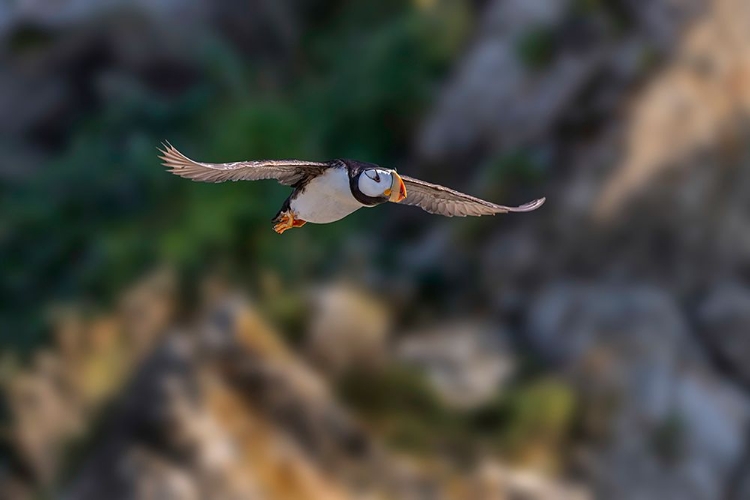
(348, 329)
(724, 323)
(466, 362)
(659, 421)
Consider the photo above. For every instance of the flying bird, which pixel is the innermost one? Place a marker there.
(329, 191)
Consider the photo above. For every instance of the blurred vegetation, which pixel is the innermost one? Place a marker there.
(536, 48)
(529, 423)
(535, 420)
(616, 12)
(103, 211)
(668, 439)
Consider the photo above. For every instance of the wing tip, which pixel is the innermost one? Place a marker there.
(165, 147)
(531, 206)
(172, 159)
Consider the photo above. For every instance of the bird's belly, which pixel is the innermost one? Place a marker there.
(326, 198)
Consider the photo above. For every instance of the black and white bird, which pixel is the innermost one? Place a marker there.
(329, 191)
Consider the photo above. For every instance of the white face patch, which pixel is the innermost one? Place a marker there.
(374, 182)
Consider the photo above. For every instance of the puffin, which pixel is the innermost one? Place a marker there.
(325, 192)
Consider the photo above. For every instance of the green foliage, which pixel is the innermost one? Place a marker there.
(536, 47)
(405, 408)
(28, 38)
(529, 422)
(537, 416)
(102, 212)
(289, 311)
(391, 390)
(616, 12)
(542, 411)
(377, 74)
(668, 438)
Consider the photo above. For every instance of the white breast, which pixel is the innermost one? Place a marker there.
(326, 198)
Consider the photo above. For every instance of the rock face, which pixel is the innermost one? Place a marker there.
(666, 424)
(223, 449)
(225, 411)
(51, 401)
(467, 363)
(724, 324)
(694, 103)
(221, 408)
(649, 208)
(530, 63)
(349, 329)
(493, 478)
(494, 98)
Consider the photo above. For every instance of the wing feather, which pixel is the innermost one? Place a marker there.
(437, 199)
(287, 172)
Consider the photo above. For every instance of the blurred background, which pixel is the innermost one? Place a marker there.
(159, 341)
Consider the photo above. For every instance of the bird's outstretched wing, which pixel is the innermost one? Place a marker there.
(287, 172)
(441, 200)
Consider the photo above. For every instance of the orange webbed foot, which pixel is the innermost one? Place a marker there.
(285, 221)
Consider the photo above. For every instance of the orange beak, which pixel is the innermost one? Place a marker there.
(397, 192)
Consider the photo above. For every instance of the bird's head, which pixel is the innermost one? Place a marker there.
(382, 183)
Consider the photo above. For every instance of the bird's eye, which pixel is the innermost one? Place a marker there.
(372, 174)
